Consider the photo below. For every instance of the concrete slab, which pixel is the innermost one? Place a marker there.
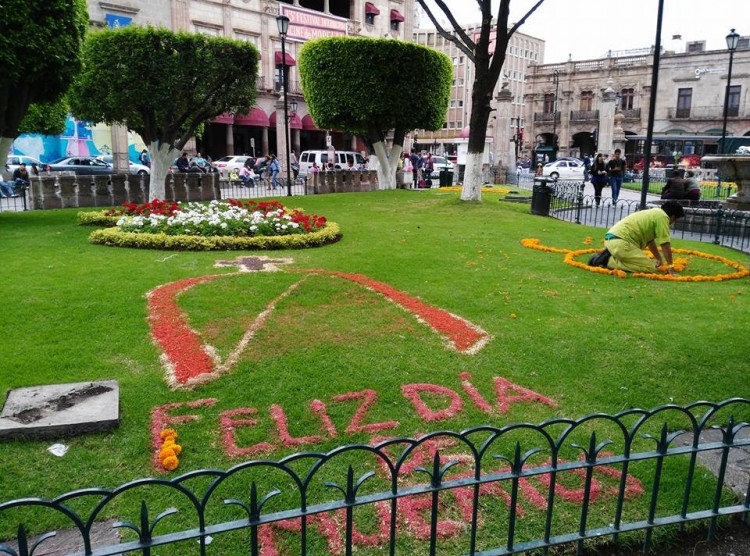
(68, 541)
(59, 410)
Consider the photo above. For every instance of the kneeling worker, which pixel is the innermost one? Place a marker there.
(625, 241)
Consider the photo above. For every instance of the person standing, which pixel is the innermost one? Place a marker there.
(416, 163)
(427, 168)
(646, 229)
(598, 177)
(586, 167)
(616, 171)
(275, 168)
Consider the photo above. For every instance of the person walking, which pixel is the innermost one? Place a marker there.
(616, 171)
(598, 177)
(275, 168)
(646, 229)
(416, 164)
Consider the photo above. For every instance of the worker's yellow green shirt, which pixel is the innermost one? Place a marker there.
(642, 227)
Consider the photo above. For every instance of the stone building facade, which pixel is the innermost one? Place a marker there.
(599, 105)
(261, 130)
(523, 52)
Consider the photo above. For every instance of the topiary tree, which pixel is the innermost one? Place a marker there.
(40, 48)
(163, 86)
(373, 86)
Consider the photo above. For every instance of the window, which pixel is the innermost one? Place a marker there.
(453, 104)
(733, 100)
(460, 103)
(626, 99)
(370, 19)
(587, 101)
(684, 100)
(549, 103)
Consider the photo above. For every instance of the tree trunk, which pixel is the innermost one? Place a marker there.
(480, 114)
(161, 159)
(5, 143)
(387, 164)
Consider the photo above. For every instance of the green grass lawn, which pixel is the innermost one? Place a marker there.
(590, 343)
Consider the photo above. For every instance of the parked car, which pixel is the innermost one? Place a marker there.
(564, 169)
(14, 161)
(228, 163)
(440, 163)
(82, 165)
(343, 158)
(135, 168)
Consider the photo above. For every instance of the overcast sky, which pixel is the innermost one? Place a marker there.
(588, 28)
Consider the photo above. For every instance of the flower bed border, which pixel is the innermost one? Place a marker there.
(113, 237)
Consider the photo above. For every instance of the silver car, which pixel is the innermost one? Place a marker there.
(135, 168)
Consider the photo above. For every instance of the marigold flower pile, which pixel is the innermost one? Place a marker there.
(169, 450)
(217, 218)
(680, 264)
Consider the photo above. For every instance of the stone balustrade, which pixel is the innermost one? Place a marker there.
(75, 191)
(342, 181)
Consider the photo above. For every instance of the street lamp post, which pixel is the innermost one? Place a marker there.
(282, 22)
(556, 81)
(732, 40)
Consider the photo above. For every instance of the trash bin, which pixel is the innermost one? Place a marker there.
(541, 196)
(446, 177)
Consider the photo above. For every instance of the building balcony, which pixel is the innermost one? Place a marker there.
(584, 115)
(546, 116)
(705, 113)
(632, 114)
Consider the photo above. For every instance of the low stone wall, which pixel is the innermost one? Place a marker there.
(342, 181)
(70, 191)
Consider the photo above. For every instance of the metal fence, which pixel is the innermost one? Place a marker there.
(629, 456)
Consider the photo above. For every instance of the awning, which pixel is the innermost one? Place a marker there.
(294, 121)
(370, 8)
(396, 15)
(255, 117)
(225, 118)
(308, 123)
(279, 60)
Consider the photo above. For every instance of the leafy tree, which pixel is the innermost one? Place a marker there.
(40, 44)
(373, 86)
(487, 52)
(47, 118)
(162, 85)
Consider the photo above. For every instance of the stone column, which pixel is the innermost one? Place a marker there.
(296, 142)
(618, 135)
(506, 155)
(230, 140)
(263, 142)
(607, 120)
(120, 149)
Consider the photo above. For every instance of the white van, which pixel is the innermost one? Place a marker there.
(343, 158)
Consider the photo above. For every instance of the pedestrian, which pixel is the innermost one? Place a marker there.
(183, 164)
(275, 167)
(616, 171)
(675, 186)
(294, 164)
(539, 169)
(646, 229)
(427, 168)
(586, 167)
(598, 177)
(20, 179)
(416, 164)
(144, 159)
(692, 187)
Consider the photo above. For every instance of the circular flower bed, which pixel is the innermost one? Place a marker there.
(217, 225)
(680, 264)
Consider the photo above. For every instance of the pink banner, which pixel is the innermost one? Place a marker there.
(308, 24)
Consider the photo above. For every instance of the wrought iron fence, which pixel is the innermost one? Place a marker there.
(627, 456)
(706, 220)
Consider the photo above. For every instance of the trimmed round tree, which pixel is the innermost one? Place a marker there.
(40, 48)
(162, 85)
(375, 86)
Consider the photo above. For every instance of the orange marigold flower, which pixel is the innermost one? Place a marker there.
(168, 433)
(170, 463)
